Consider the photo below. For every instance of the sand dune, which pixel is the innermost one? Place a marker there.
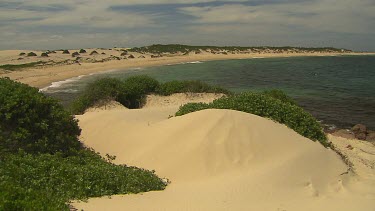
(222, 160)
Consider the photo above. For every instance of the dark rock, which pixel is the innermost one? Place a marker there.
(360, 131)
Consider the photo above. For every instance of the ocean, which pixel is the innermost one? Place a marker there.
(337, 90)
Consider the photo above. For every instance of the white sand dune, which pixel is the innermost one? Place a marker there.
(221, 160)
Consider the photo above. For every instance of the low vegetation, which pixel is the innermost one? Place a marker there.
(172, 87)
(13, 67)
(132, 91)
(65, 52)
(272, 105)
(175, 48)
(31, 54)
(43, 166)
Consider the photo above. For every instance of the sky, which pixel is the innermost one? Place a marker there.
(67, 24)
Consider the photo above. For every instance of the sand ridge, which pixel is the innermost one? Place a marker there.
(222, 160)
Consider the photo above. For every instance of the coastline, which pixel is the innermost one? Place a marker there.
(42, 77)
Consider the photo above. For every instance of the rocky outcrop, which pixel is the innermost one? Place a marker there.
(360, 131)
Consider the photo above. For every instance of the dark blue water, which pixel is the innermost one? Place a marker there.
(336, 90)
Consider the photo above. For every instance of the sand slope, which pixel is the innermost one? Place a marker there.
(221, 160)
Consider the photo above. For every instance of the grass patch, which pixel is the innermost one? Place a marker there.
(14, 67)
(266, 105)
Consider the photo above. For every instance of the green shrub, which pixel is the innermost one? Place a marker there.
(49, 182)
(66, 52)
(132, 91)
(44, 55)
(82, 51)
(31, 54)
(137, 87)
(262, 105)
(172, 87)
(278, 94)
(100, 92)
(34, 122)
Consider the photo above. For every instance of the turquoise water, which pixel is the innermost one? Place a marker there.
(336, 90)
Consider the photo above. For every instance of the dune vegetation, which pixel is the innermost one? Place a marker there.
(175, 48)
(272, 104)
(14, 67)
(132, 91)
(43, 165)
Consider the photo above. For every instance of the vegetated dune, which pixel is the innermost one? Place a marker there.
(221, 160)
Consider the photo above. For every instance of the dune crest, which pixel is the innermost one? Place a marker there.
(221, 160)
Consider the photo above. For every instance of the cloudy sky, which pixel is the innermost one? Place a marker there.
(52, 24)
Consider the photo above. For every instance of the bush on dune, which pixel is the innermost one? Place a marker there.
(264, 105)
(33, 122)
(100, 92)
(132, 91)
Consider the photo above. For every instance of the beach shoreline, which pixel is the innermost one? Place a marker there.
(42, 77)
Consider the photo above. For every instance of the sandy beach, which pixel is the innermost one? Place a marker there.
(63, 66)
(227, 160)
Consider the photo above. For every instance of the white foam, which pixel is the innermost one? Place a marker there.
(195, 62)
(60, 83)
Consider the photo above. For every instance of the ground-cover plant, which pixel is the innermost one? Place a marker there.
(13, 67)
(49, 182)
(34, 122)
(278, 94)
(263, 105)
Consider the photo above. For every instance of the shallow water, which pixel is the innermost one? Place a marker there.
(337, 90)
